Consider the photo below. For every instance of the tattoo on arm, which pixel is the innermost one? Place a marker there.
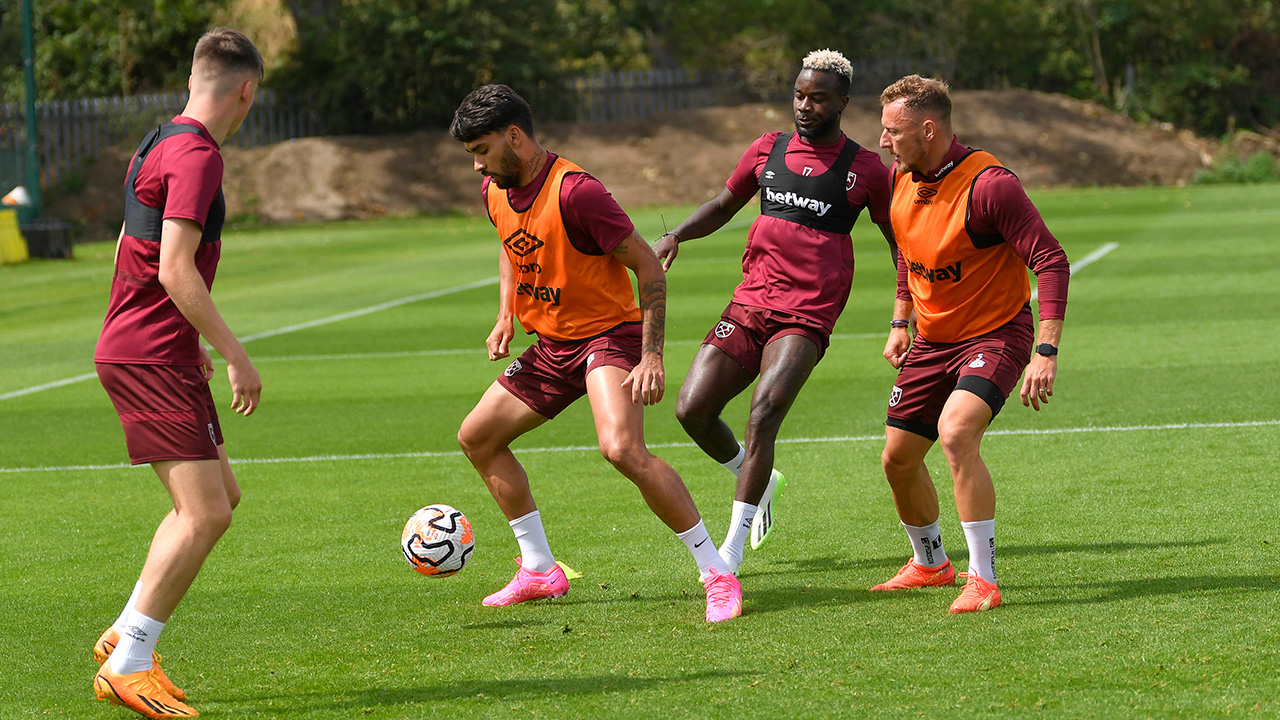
(653, 307)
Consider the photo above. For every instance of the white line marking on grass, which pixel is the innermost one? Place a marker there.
(1085, 262)
(370, 310)
(581, 448)
(281, 331)
(515, 351)
(48, 386)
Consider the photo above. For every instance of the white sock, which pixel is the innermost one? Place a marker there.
(739, 528)
(124, 614)
(535, 553)
(926, 542)
(137, 642)
(698, 540)
(735, 464)
(981, 536)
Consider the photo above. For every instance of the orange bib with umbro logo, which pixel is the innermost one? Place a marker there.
(962, 285)
(561, 293)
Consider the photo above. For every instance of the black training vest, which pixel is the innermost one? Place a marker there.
(145, 222)
(799, 199)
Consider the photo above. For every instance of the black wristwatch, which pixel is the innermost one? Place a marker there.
(1046, 350)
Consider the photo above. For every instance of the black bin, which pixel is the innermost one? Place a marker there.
(47, 238)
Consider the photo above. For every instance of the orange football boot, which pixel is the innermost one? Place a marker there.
(107, 643)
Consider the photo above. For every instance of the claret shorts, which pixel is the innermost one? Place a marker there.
(550, 375)
(988, 366)
(166, 410)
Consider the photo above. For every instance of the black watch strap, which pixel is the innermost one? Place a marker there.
(1046, 349)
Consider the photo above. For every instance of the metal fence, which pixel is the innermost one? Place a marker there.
(644, 94)
(72, 132)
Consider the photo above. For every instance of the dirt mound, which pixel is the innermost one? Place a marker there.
(1048, 140)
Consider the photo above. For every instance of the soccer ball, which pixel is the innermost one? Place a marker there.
(437, 541)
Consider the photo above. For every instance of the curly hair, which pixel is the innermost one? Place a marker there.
(830, 61)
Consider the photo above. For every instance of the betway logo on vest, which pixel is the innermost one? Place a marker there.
(794, 200)
(948, 272)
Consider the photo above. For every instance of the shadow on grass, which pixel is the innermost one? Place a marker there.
(1106, 591)
(496, 690)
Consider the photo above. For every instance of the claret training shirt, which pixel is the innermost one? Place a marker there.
(181, 177)
(793, 268)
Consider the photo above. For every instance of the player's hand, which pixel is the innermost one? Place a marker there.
(499, 340)
(1037, 382)
(666, 250)
(895, 350)
(647, 381)
(246, 386)
(206, 363)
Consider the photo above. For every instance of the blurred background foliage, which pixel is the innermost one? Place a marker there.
(375, 66)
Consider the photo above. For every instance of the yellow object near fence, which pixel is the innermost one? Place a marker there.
(13, 248)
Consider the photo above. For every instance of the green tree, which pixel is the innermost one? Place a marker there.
(396, 65)
(87, 48)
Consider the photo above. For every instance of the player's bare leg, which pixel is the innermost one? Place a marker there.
(485, 437)
(961, 426)
(713, 380)
(914, 494)
(203, 492)
(620, 430)
(785, 366)
(964, 420)
(916, 500)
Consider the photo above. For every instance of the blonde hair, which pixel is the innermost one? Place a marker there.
(830, 61)
(927, 95)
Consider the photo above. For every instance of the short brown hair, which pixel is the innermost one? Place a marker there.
(927, 95)
(228, 51)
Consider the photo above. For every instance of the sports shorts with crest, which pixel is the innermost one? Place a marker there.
(987, 365)
(744, 330)
(166, 410)
(550, 375)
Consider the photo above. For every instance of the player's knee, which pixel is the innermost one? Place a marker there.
(211, 523)
(958, 439)
(470, 441)
(898, 464)
(766, 416)
(622, 454)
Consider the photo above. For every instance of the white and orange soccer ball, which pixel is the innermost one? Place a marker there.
(437, 541)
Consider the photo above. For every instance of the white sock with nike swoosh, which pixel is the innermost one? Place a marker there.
(698, 540)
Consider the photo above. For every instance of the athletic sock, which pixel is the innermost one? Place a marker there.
(739, 528)
(926, 542)
(981, 536)
(735, 464)
(698, 540)
(535, 553)
(124, 614)
(137, 642)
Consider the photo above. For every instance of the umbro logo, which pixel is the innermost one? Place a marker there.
(522, 243)
(926, 192)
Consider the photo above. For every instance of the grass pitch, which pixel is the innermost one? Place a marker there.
(1136, 542)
